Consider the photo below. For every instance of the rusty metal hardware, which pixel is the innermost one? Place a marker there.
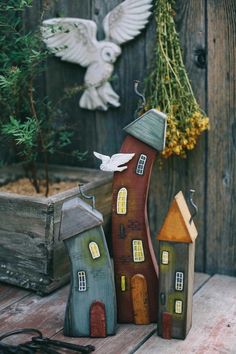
(39, 344)
(191, 192)
(87, 196)
(136, 83)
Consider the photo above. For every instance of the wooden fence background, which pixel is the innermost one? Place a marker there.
(208, 34)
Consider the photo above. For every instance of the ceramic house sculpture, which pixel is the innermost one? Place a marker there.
(91, 307)
(136, 270)
(177, 251)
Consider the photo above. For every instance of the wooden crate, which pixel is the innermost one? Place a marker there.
(31, 254)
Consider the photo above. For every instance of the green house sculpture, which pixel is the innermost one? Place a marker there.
(177, 251)
(91, 307)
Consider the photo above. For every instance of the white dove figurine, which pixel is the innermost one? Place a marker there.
(112, 163)
(74, 40)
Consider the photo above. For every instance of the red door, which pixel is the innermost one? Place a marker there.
(97, 319)
(166, 325)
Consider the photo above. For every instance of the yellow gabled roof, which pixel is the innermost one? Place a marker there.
(176, 227)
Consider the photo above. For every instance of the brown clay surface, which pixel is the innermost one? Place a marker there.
(24, 187)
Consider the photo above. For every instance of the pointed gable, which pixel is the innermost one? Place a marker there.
(176, 227)
(150, 128)
(78, 216)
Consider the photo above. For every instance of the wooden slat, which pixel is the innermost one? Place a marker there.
(127, 339)
(177, 174)
(10, 295)
(199, 280)
(214, 324)
(46, 314)
(221, 241)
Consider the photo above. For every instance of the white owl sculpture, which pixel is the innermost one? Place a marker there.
(74, 40)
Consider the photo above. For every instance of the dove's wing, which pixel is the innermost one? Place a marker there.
(126, 20)
(102, 157)
(72, 39)
(120, 159)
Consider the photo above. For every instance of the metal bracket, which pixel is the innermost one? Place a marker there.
(191, 192)
(136, 83)
(87, 196)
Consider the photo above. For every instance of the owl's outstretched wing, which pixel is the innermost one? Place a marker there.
(120, 159)
(126, 20)
(71, 39)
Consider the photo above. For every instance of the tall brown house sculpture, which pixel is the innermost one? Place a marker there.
(136, 270)
(177, 250)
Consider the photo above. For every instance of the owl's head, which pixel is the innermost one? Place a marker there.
(109, 52)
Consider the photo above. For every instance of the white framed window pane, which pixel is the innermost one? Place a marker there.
(138, 253)
(165, 257)
(82, 285)
(94, 250)
(141, 164)
(122, 201)
(179, 281)
(178, 306)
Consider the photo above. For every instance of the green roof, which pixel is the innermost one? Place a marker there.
(150, 128)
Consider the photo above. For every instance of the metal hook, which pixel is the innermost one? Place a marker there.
(136, 83)
(191, 192)
(87, 196)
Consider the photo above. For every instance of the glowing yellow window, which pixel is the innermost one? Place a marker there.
(123, 283)
(94, 250)
(165, 257)
(138, 254)
(122, 201)
(178, 306)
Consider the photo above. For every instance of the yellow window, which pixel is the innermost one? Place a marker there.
(165, 257)
(138, 254)
(122, 201)
(178, 306)
(94, 250)
(123, 283)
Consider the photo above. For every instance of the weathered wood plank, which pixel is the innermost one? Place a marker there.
(46, 314)
(127, 339)
(10, 295)
(199, 280)
(177, 174)
(221, 178)
(214, 324)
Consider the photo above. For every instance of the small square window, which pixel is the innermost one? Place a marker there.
(82, 286)
(138, 253)
(165, 257)
(94, 250)
(179, 281)
(141, 164)
(178, 306)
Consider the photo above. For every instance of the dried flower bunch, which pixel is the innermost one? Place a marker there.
(168, 87)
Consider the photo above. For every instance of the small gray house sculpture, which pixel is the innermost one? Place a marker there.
(91, 307)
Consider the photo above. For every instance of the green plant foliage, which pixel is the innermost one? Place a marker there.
(27, 120)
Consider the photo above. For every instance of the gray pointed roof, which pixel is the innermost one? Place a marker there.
(78, 216)
(150, 128)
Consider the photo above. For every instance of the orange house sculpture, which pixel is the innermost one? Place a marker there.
(136, 270)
